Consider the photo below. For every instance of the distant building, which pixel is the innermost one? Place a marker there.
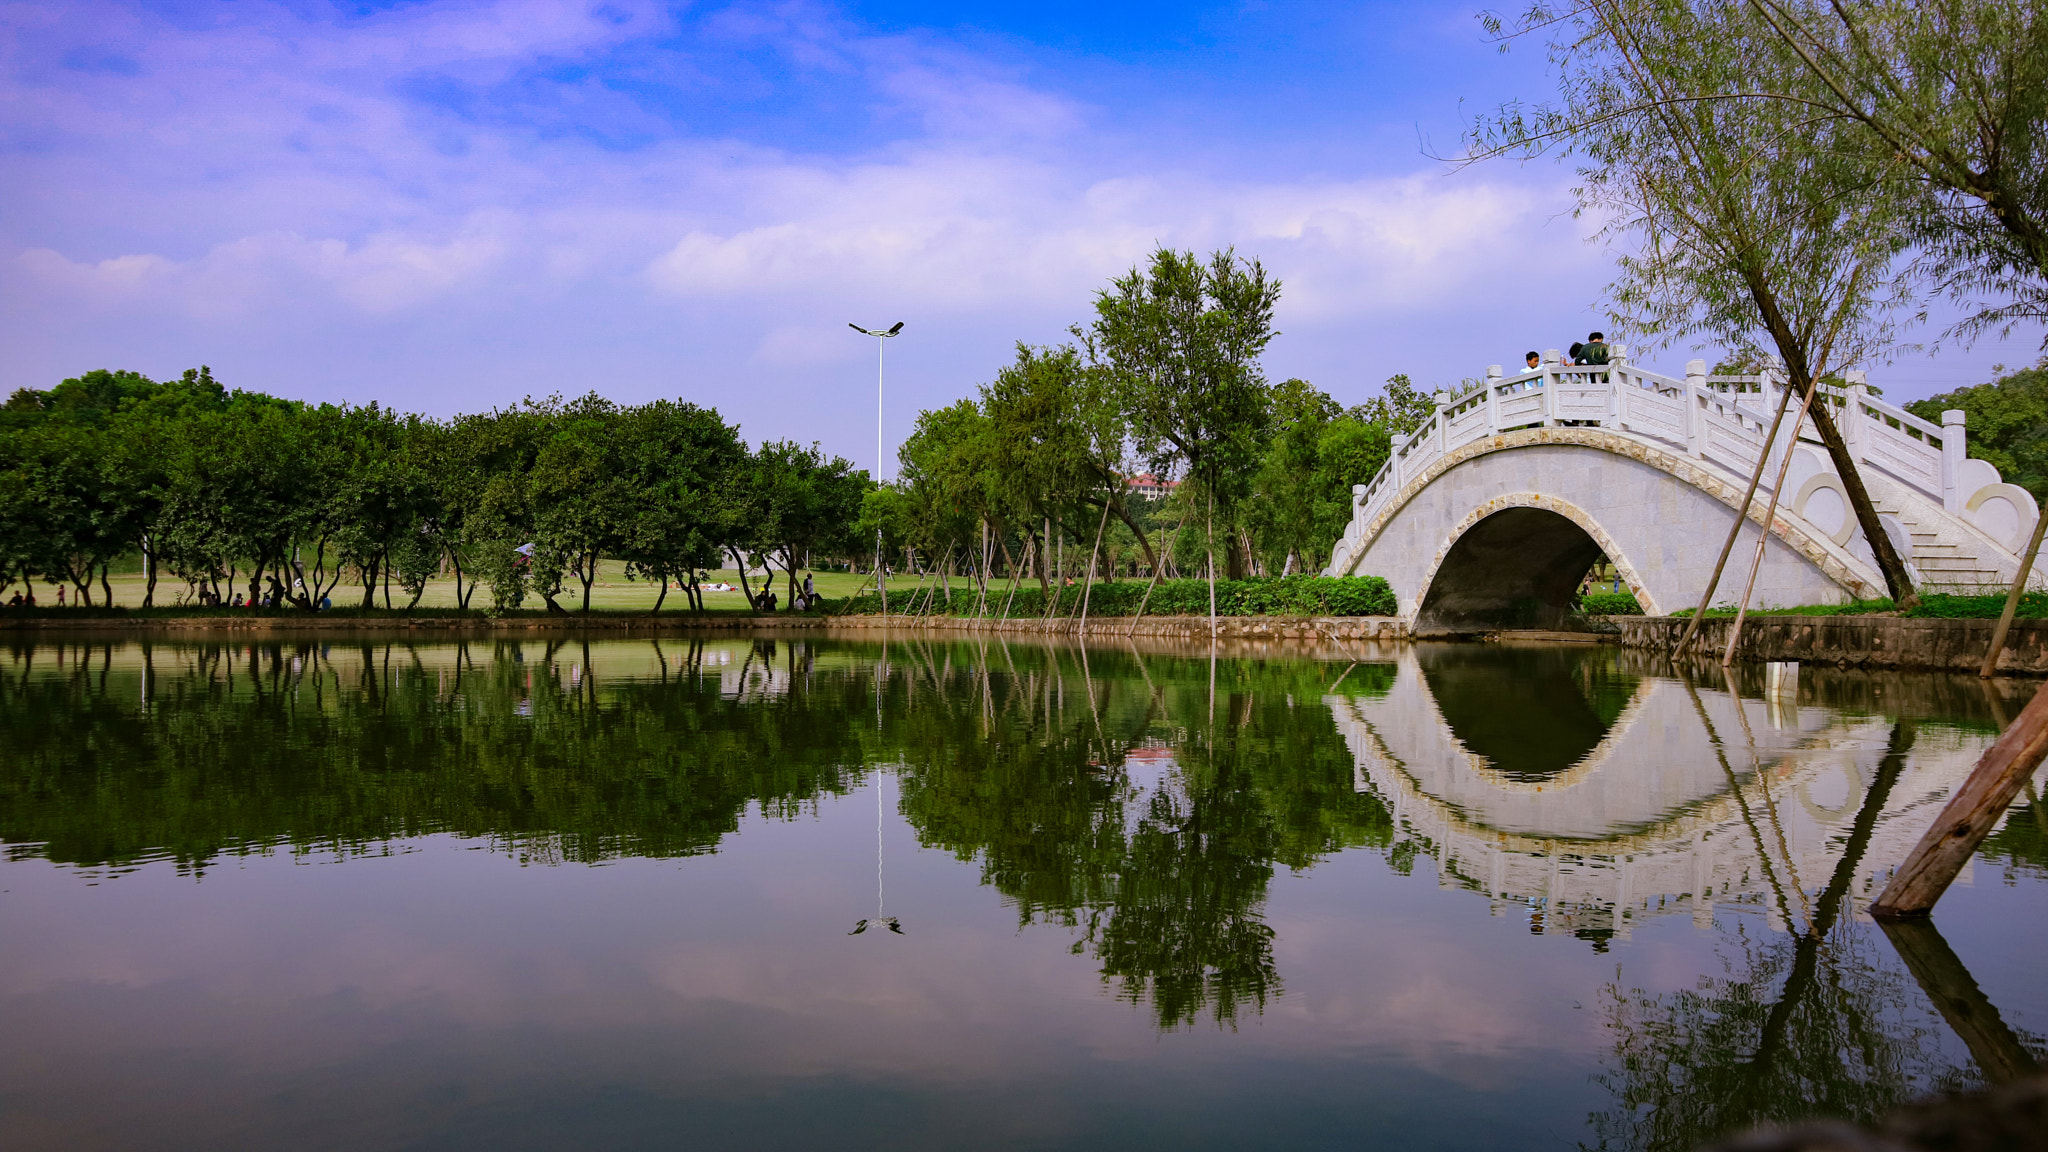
(1149, 486)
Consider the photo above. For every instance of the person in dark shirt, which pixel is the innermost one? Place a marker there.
(1594, 350)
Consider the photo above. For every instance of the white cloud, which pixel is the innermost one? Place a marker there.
(383, 273)
(961, 232)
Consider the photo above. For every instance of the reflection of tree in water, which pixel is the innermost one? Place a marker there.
(280, 744)
(1031, 774)
(1821, 1022)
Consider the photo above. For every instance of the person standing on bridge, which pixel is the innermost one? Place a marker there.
(1594, 350)
(1533, 360)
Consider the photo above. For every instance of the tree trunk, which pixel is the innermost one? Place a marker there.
(1897, 581)
(747, 589)
(660, 599)
(149, 573)
(369, 573)
(586, 571)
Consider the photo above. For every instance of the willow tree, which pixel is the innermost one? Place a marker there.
(1955, 93)
(1180, 341)
(1759, 223)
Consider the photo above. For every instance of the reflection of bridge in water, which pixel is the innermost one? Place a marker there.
(1599, 798)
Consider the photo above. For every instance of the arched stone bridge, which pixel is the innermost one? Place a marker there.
(1493, 511)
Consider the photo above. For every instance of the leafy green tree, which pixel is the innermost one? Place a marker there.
(681, 461)
(1400, 408)
(377, 494)
(236, 490)
(2008, 423)
(806, 502)
(488, 459)
(1181, 340)
(1285, 515)
(583, 501)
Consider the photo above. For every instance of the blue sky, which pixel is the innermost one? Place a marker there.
(449, 206)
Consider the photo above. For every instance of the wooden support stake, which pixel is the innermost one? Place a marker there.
(1756, 476)
(1770, 514)
(1969, 817)
(2012, 599)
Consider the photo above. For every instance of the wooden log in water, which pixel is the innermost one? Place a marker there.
(1969, 817)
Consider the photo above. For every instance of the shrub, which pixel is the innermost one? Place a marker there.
(1609, 604)
(1259, 596)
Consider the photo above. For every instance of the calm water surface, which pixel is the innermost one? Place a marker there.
(611, 895)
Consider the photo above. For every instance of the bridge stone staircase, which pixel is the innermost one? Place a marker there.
(1959, 525)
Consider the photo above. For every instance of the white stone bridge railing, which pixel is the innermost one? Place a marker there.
(1719, 420)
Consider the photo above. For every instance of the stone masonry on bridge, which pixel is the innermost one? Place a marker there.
(1491, 513)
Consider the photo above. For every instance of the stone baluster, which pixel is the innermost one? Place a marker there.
(1851, 423)
(1551, 359)
(1953, 444)
(1443, 422)
(1695, 387)
(1398, 442)
(1493, 371)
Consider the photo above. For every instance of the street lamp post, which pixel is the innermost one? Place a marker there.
(881, 582)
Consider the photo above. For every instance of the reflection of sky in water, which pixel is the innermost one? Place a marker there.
(443, 990)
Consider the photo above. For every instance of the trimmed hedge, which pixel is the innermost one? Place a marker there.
(1259, 596)
(1609, 604)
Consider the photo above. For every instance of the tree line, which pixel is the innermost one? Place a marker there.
(1039, 472)
(281, 501)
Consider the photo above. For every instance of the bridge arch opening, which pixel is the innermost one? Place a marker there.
(1517, 568)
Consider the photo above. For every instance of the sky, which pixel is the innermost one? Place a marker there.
(446, 207)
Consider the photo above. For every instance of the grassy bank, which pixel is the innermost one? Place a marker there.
(1933, 606)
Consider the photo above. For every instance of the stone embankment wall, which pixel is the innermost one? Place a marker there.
(1381, 628)
(1858, 641)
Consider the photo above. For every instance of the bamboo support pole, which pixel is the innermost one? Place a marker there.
(2012, 598)
(1763, 540)
(1756, 476)
(1969, 817)
(1088, 588)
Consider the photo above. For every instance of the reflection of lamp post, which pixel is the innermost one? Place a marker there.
(881, 584)
(888, 922)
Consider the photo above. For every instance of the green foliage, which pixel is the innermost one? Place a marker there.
(1181, 339)
(1256, 596)
(1942, 606)
(239, 492)
(2007, 421)
(1609, 604)
(1400, 408)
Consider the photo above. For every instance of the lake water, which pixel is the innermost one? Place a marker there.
(733, 893)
